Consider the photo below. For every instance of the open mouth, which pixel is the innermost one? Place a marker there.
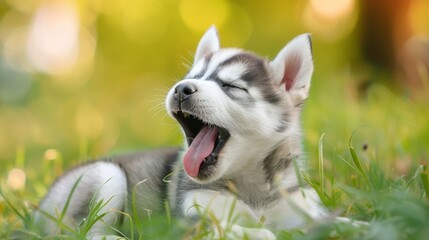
(205, 141)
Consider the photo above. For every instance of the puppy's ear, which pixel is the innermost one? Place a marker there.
(293, 67)
(208, 44)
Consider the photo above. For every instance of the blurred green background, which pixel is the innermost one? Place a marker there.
(83, 79)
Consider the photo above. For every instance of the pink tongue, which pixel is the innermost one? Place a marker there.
(200, 148)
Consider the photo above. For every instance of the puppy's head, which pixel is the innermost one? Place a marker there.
(235, 107)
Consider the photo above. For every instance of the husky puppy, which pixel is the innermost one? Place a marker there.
(240, 116)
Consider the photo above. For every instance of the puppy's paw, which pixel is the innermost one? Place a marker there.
(354, 223)
(233, 231)
(105, 237)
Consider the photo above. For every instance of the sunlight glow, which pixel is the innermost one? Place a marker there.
(145, 21)
(51, 154)
(14, 37)
(89, 122)
(237, 28)
(331, 19)
(16, 179)
(419, 17)
(332, 8)
(54, 37)
(199, 15)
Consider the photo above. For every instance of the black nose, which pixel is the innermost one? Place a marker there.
(184, 90)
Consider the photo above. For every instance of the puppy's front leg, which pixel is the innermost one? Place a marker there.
(231, 213)
(295, 210)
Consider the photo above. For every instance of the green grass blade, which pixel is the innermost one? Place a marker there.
(94, 220)
(63, 212)
(231, 212)
(119, 232)
(332, 181)
(298, 174)
(29, 234)
(136, 216)
(351, 166)
(20, 156)
(312, 184)
(357, 161)
(94, 215)
(321, 166)
(131, 224)
(25, 216)
(58, 222)
(167, 212)
(425, 180)
(166, 178)
(14, 209)
(302, 178)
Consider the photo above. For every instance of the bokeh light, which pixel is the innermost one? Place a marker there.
(332, 9)
(16, 179)
(197, 15)
(53, 42)
(51, 154)
(238, 27)
(14, 85)
(89, 121)
(145, 22)
(24, 5)
(331, 19)
(419, 17)
(14, 35)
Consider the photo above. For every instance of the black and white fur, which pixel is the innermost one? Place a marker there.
(255, 103)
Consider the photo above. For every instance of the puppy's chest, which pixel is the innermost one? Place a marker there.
(257, 196)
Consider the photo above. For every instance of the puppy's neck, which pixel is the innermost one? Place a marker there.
(278, 176)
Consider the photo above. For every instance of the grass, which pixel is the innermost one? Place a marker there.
(367, 161)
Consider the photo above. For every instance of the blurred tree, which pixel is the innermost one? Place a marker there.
(384, 32)
(384, 29)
